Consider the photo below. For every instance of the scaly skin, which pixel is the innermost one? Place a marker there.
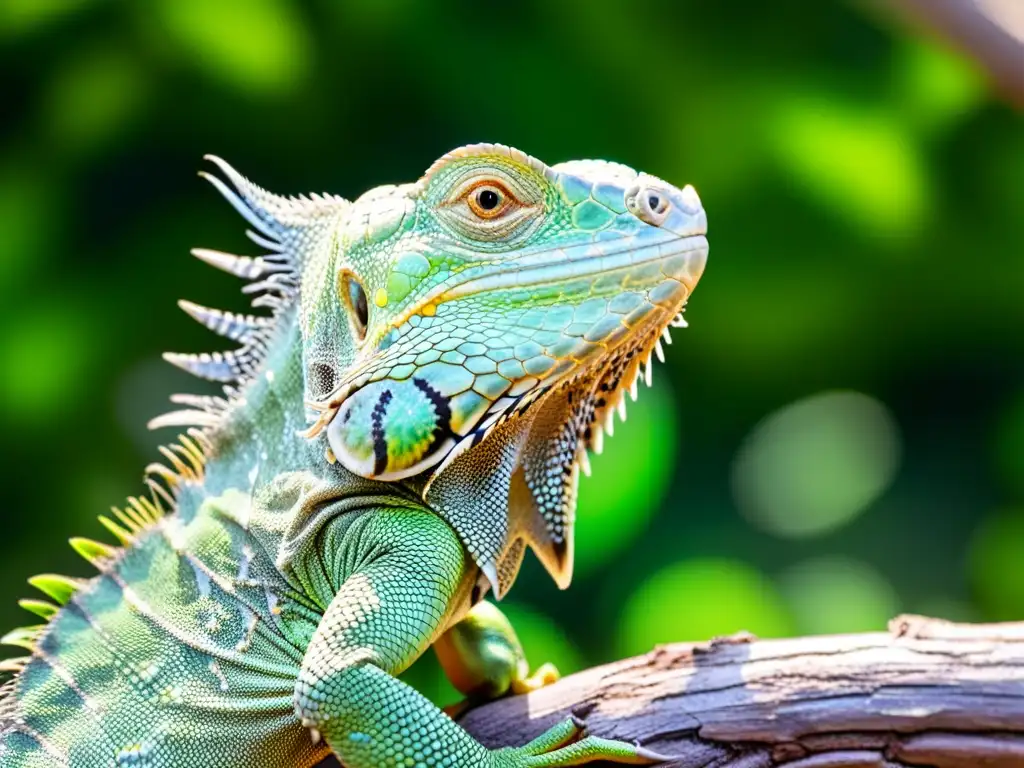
(409, 417)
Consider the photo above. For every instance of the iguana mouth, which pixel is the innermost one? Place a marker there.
(552, 270)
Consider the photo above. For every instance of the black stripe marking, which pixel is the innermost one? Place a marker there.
(439, 401)
(380, 445)
(442, 408)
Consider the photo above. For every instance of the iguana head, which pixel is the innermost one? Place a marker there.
(473, 332)
(469, 336)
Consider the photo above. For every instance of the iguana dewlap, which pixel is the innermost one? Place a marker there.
(405, 413)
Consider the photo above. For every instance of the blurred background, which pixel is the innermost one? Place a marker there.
(838, 436)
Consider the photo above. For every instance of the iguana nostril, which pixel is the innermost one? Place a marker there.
(648, 204)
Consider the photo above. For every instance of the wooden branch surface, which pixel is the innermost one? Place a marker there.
(990, 31)
(926, 693)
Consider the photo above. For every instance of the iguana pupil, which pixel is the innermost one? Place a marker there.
(488, 199)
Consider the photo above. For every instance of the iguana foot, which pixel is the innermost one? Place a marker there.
(546, 674)
(569, 744)
(484, 659)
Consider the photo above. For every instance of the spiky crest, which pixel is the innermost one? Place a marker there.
(288, 227)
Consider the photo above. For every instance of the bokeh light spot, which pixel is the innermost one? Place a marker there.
(44, 356)
(630, 479)
(699, 599)
(935, 86)
(92, 100)
(836, 154)
(994, 565)
(816, 464)
(259, 46)
(831, 595)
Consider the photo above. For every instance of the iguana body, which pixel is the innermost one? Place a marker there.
(409, 416)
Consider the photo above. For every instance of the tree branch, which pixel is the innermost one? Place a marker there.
(927, 693)
(989, 31)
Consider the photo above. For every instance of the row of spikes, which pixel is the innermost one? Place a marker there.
(644, 368)
(252, 332)
(273, 282)
(185, 464)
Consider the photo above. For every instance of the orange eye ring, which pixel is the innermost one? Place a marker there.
(488, 200)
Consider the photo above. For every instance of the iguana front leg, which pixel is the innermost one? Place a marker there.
(405, 571)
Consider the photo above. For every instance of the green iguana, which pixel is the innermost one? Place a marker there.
(407, 418)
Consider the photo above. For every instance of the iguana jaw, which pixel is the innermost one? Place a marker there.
(611, 365)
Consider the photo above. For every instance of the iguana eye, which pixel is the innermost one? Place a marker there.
(355, 297)
(488, 201)
(492, 209)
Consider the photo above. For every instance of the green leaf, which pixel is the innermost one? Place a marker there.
(860, 163)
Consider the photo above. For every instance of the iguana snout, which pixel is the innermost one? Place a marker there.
(661, 205)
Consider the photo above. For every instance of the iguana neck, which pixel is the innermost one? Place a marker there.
(257, 447)
(257, 437)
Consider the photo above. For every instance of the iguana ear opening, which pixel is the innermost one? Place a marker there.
(294, 231)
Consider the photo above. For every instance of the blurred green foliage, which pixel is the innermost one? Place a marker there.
(838, 436)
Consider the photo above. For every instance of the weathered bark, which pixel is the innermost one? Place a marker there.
(927, 693)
